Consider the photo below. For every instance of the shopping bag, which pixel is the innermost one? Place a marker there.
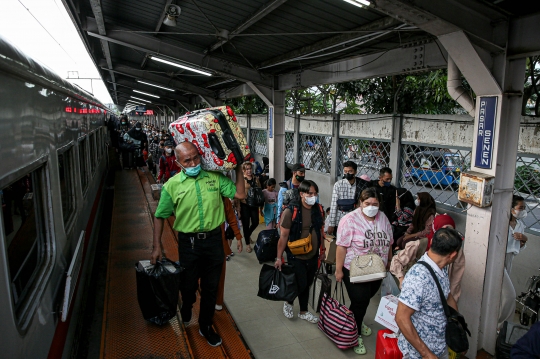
(389, 286)
(337, 322)
(321, 284)
(330, 246)
(157, 289)
(277, 285)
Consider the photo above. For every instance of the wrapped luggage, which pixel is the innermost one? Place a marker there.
(216, 134)
(266, 245)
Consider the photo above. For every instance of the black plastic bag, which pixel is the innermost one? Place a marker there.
(277, 285)
(266, 245)
(158, 289)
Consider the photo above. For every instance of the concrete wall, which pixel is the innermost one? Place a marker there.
(450, 130)
(242, 120)
(259, 122)
(529, 139)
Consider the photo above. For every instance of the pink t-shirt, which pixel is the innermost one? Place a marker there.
(361, 236)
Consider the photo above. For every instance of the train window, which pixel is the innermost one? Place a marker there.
(82, 165)
(67, 188)
(27, 238)
(93, 155)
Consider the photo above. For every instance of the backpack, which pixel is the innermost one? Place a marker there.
(171, 172)
(255, 196)
(291, 196)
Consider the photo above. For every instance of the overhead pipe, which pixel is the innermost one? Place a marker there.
(456, 89)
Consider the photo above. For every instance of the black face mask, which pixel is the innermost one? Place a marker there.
(300, 178)
(348, 176)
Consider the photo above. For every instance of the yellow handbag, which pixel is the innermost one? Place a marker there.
(301, 246)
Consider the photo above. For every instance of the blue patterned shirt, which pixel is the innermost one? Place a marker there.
(419, 292)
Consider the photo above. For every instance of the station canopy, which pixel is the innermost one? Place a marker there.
(203, 50)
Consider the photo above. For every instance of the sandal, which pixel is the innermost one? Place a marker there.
(248, 249)
(365, 330)
(360, 349)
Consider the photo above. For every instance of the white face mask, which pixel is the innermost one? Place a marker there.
(370, 211)
(520, 214)
(417, 202)
(310, 201)
(169, 150)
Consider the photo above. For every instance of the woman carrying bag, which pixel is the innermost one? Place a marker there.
(364, 233)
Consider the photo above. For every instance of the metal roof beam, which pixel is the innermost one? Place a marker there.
(524, 37)
(98, 14)
(334, 41)
(447, 16)
(265, 10)
(161, 93)
(154, 46)
(238, 91)
(130, 71)
(391, 62)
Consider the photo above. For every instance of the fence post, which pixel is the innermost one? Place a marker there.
(335, 149)
(296, 139)
(395, 148)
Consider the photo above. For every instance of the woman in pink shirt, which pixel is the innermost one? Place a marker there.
(362, 231)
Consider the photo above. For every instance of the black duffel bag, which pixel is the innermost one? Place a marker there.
(157, 289)
(278, 285)
(456, 327)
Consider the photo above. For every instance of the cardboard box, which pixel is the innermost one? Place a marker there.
(386, 313)
(330, 246)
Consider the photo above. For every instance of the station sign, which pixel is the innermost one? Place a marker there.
(271, 122)
(139, 109)
(487, 114)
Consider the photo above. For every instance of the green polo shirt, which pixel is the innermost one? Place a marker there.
(195, 201)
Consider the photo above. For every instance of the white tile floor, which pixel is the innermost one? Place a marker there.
(267, 332)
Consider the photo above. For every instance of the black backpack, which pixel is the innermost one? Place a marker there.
(255, 196)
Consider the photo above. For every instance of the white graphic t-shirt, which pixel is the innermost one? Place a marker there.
(361, 236)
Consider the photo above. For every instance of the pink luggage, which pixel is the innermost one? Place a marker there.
(386, 347)
(216, 134)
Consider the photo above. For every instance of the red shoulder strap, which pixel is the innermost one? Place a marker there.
(295, 212)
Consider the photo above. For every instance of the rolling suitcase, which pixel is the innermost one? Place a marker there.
(386, 346)
(216, 134)
(127, 159)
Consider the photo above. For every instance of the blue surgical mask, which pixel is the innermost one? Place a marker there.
(387, 184)
(192, 171)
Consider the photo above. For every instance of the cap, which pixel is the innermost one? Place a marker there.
(299, 167)
(365, 178)
(168, 143)
(138, 125)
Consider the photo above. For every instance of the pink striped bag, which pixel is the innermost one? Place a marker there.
(337, 322)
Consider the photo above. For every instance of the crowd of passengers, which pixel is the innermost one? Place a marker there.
(365, 215)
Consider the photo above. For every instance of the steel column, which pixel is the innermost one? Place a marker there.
(334, 175)
(395, 148)
(296, 139)
(276, 144)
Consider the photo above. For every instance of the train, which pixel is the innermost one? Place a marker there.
(53, 148)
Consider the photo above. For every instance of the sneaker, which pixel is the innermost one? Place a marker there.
(228, 258)
(219, 307)
(211, 337)
(309, 317)
(288, 310)
(365, 331)
(232, 254)
(360, 349)
(186, 318)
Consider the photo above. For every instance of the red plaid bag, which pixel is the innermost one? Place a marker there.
(337, 322)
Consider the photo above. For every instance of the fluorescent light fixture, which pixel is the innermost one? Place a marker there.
(140, 99)
(180, 66)
(146, 93)
(161, 87)
(131, 102)
(222, 82)
(360, 3)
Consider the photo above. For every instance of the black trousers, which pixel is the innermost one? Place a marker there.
(360, 295)
(305, 274)
(202, 259)
(250, 220)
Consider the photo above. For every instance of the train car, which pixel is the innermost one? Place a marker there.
(53, 162)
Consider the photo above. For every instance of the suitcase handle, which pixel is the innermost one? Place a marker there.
(216, 146)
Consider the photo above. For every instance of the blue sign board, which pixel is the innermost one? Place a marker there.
(485, 132)
(140, 108)
(270, 122)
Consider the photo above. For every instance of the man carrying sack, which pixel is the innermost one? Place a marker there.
(301, 229)
(194, 198)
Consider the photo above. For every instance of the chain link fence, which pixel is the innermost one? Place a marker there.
(259, 142)
(527, 185)
(289, 147)
(315, 152)
(435, 170)
(369, 155)
(244, 131)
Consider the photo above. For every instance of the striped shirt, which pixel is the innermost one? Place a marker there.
(342, 190)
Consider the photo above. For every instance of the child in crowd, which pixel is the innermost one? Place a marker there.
(269, 210)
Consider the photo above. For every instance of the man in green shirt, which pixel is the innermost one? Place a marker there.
(193, 196)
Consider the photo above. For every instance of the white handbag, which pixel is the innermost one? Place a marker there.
(367, 268)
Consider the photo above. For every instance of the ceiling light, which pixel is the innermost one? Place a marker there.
(181, 66)
(360, 3)
(161, 87)
(221, 82)
(131, 102)
(140, 99)
(146, 93)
